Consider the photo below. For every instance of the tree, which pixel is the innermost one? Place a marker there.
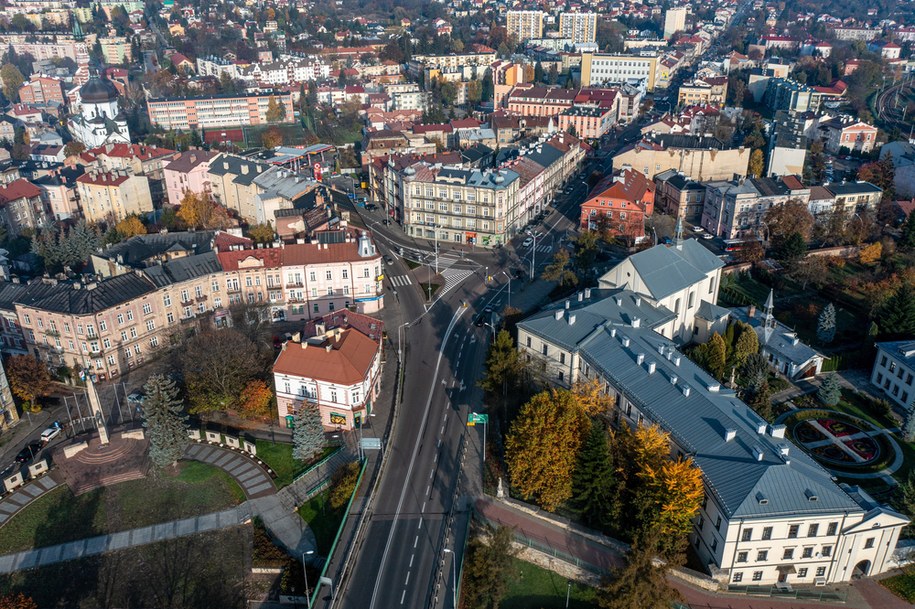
(262, 233)
(487, 86)
(503, 367)
(672, 497)
(542, 446)
(29, 379)
(165, 422)
(559, 270)
(759, 398)
(594, 484)
(788, 219)
(907, 501)
(747, 344)
(870, 254)
(757, 163)
(716, 356)
(18, 601)
(586, 249)
(255, 400)
(307, 432)
(826, 324)
(908, 425)
(751, 252)
(898, 312)
(131, 226)
(74, 148)
(12, 79)
(538, 72)
(198, 210)
(276, 111)
(343, 484)
(487, 569)
(830, 392)
(791, 248)
(217, 364)
(907, 237)
(640, 583)
(272, 138)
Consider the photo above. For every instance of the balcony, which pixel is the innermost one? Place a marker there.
(294, 284)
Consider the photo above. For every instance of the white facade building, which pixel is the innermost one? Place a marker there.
(100, 120)
(894, 372)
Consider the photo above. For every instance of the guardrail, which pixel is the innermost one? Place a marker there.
(804, 594)
(315, 466)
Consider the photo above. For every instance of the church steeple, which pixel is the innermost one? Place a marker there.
(769, 317)
(77, 29)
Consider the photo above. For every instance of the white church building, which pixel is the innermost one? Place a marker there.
(100, 121)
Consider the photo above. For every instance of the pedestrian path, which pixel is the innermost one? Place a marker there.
(543, 249)
(400, 281)
(24, 495)
(50, 555)
(250, 476)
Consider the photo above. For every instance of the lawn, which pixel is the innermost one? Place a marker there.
(740, 289)
(532, 587)
(278, 457)
(323, 520)
(59, 516)
(902, 585)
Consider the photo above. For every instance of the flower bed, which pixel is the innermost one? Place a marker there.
(839, 429)
(865, 447)
(807, 433)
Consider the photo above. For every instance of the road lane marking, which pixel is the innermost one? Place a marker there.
(428, 486)
(423, 510)
(411, 560)
(407, 581)
(415, 541)
(402, 595)
(419, 525)
(406, 484)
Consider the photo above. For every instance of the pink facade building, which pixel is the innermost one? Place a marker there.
(188, 172)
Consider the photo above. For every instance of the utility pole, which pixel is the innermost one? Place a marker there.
(533, 254)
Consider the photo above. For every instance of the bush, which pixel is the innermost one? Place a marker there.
(343, 484)
(265, 553)
(880, 409)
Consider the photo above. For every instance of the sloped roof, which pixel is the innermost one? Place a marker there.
(346, 360)
(668, 269)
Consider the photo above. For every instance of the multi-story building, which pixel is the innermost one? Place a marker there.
(216, 66)
(787, 150)
(290, 70)
(856, 32)
(790, 96)
(48, 46)
(598, 69)
(678, 196)
(619, 204)
(578, 27)
(113, 195)
(737, 208)
(42, 91)
(587, 122)
(116, 50)
(58, 192)
(524, 24)
(770, 513)
(335, 365)
(846, 132)
(894, 370)
(232, 183)
(526, 99)
(674, 21)
(697, 157)
(216, 111)
(21, 207)
(854, 197)
(187, 172)
(703, 91)
(8, 413)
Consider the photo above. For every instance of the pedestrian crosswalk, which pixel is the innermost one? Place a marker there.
(543, 249)
(452, 277)
(401, 281)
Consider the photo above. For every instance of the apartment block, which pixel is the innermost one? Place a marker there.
(697, 157)
(598, 69)
(216, 111)
(113, 195)
(42, 91)
(524, 25)
(894, 370)
(578, 27)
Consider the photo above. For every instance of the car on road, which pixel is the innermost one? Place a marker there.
(29, 452)
(527, 242)
(50, 433)
(698, 229)
(137, 397)
(708, 236)
(371, 207)
(388, 260)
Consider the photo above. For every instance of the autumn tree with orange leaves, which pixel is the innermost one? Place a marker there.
(18, 601)
(256, 399)
(201, 212)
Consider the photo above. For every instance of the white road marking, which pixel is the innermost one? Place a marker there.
(403, 594)
(419, 525)
(423, 510)
(415, 541)
(407, 581)
(411, 560)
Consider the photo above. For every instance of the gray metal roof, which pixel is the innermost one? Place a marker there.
(782, 341)
(183, 269)
(136, 251)
(711, 312)
(749, 475)
(669, 269)
(902, 350)
(92, 298)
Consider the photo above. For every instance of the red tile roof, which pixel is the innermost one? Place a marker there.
(261, 258)
(346, 360)
(18, 189)
(144, 153)
(315, 253)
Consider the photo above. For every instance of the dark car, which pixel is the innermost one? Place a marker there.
(371, 207)
(29, 452)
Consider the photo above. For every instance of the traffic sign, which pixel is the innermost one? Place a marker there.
(474, 417)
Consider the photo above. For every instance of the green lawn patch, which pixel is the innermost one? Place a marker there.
(278, 457)
(323, 520)
(59, 516)
(741, 289)
(902, 585)
(532, 587)
(412, 264)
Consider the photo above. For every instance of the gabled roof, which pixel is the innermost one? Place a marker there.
(668, 269)
(345, 359)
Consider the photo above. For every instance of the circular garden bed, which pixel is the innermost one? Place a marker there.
(838, 441)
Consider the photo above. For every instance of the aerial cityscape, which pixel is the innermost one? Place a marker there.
(457, 304)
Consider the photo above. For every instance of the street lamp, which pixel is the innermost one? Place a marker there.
(305, 573)
(453, 577)
(533, 254)
(509, 287)
(568, 593)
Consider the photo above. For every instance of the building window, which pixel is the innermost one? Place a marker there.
(150, 325)
(812, 530)
(869, 543)
(528, 342)
(793, 530)
(129, 315)
(757, 576)
(718, 524)
(762, 556)
(821, 571)
(147, 309)
(102, 326)
(827, 551)
(802, 573)
(562, 358)
(742, 557)
(832, 528)
(120, 319)
(747, 535)
(807, 553)
(767, 533)
(789, 554)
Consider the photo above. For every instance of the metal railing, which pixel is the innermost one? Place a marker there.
(806, 594)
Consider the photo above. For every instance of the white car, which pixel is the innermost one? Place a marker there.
(708, 236)
(49, 434)
(698, 229)
(527, 242)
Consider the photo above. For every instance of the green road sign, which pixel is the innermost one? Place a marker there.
(473, 418)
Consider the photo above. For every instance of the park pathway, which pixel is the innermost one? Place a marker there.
(26, 494)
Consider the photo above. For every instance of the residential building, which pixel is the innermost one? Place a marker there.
(779, 344)
(188, 172)
(678, 196)
(856, 32)
(21, 207)
(100, 120)
(336, 366)
(578, 27)
(844, 134)
(736, 208)
(790, 96)
(216, 111)
(112, 196)
(232, 183)
(787, 151)
(704, 91)
(42, 91)
(587, 122)
(116, 50)
(902, 155)
(894, 370)
(58, 192)
(9, 415)
(770, 513)
(854, 197)
(674, 21)
(599, 69)
(527, 99)
(619, 204)
(697, 157)
(524, 24)
(675, 279)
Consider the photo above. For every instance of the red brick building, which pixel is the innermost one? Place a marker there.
(42, 91)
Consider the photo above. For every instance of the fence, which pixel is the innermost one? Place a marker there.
(832, 596)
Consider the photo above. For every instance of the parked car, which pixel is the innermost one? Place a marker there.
(527, 242)
(388, 260)
(698, 229)
(51, 432)
(371, 207)
(137, 397)
(27, 454)
(708, 236)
